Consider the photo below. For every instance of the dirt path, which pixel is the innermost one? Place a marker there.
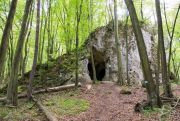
(107, 104)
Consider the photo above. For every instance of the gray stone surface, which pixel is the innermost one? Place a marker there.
(103, 42)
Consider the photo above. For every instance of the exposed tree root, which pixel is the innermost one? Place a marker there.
(51, 89)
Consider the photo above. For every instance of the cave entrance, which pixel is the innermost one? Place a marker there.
(100, 70)
(99, 63)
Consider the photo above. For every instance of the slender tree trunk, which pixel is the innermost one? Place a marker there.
(91, 48)
(49, 31)
(157, 72)
(29, 93)
(150, 86)
(5, 36)
(43, 38)
(167, 85)
(127, 50)
(142, 16)
(26, 48)
(93, 65)
(118, 49)
(41, 29)
(78, 18)
(171, 36)
(12, 86)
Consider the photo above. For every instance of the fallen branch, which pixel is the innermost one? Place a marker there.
(44, 110)
(51, 89)
(173, 108)
(170, 99)
(176, 104)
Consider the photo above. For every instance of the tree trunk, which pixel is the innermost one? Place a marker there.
(150, 86)
(127, 50)
(26, 48)
(157, 72)
(171, 36)
(78, 18)
(43, 38)
(29, 93)
(93, 65)
(142, 16)
(12, 86)
(118, 49)
(91, 51)
(6, 35)
(167, 85)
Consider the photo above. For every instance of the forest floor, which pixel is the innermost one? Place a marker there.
(100, 102)
(108, 104)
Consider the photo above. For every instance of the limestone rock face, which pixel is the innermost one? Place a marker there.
(105, 55)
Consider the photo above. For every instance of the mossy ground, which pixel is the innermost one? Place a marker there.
(66, 103)
(24, 111)
(164, 112)
(63, 103)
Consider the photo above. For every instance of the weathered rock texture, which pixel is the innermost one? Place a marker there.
(105, 55)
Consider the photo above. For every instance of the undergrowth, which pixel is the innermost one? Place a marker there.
(163, 113)
(25, 111)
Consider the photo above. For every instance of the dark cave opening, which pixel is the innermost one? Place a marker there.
(100, 70)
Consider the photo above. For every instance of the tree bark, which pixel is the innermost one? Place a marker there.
(6, 35)
(26, 48)
(78, 18)
(118, 46)
(142, 16)
(12, 85)
(150, 86)
(91, 48)
(166, 84)
(171, 36)
(127, 50)
(29, 93)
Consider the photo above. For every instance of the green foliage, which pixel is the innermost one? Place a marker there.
(147, 111)
(72, 106)
(165, 112)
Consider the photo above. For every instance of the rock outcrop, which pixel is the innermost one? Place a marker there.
(62, 70)
(105, 55)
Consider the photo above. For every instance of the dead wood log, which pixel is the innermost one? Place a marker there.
(51, 89)
(50, 116)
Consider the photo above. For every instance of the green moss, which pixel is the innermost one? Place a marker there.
(164, 112)
(66, 104)
(148, 112)
(72, 106)
(25, 111)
